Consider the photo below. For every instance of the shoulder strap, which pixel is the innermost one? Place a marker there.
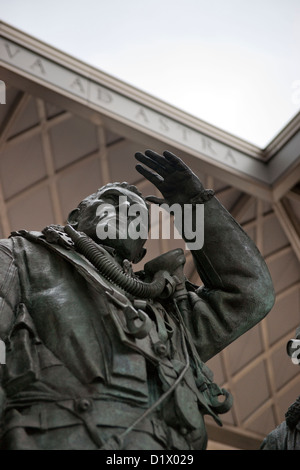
(84, 267)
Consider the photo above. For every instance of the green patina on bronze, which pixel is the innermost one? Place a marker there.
(100, 357)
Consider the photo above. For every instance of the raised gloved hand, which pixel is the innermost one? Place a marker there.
(174, 179)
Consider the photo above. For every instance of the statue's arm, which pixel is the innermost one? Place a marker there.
(238, 290)
(9, 288)
(9, 299)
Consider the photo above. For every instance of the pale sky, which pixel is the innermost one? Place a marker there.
(232, 63)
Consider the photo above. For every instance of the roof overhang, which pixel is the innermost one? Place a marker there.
(39, 69)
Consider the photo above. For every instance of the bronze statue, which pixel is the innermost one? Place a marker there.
(286, 436)
(100, 357)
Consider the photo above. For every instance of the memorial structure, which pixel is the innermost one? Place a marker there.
(100, 357)
(68, 129)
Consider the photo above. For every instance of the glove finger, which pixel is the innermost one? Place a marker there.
(149, 175)
(175, 161)
(151, 164)
(159, 159)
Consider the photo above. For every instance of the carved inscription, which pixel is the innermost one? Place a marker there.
(38, 66)
(100, 96)
(77, 85)
(11, 50)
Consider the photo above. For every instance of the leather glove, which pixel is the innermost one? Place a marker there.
(174, 179)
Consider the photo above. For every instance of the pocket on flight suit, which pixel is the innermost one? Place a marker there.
(22, 364)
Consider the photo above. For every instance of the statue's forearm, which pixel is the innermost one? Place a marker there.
(238, 290)
(227, 251)
(229, 261)
(9, 288)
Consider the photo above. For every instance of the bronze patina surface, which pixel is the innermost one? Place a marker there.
(100, 357)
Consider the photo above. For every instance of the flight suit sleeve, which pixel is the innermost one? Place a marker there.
(9, 288)
(238, 290)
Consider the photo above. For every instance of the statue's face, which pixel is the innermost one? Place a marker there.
(110, 218)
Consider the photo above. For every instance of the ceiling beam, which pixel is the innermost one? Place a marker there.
(289, 224)
(294, 195)
(15, 110)
(241, 206)
(47, 72)
(287, 181)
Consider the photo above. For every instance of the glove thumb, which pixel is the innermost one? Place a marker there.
(155, 200)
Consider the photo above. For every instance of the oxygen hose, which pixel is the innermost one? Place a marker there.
(99, 258)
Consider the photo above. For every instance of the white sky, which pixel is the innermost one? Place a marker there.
(232, 63)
